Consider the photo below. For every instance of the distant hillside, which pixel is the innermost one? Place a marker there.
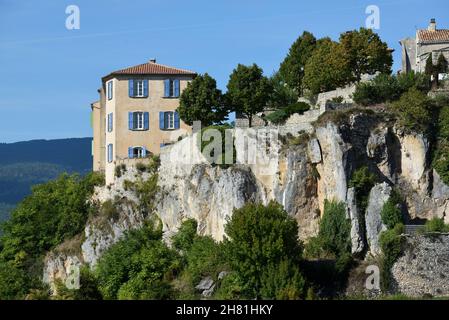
(24, 164)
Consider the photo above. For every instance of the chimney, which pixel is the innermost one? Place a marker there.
(153, 60)
(432, 25)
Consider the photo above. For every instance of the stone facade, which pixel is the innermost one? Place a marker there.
(415, 51)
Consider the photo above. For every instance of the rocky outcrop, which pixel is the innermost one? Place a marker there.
(423, 268)
(357, 236)
(379, 194)
(299, 175)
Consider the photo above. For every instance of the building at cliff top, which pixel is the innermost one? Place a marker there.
(136, 114)
(430, 41)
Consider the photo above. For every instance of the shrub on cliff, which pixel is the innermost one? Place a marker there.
(414, 111)
(260, 242)
(388, 88)
(140, 266)
(281, 115)
(391, 245)
(436, 225)
(391, 211)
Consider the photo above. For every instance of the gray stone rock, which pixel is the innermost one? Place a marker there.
(379, 194)
(222, 274)
(423, 268)
(208, 292)
(314, 151)
(357, 245)
(205, 284)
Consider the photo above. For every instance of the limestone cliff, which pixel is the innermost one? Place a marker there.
(299, 173)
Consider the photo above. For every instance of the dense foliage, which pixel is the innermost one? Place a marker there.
(387, 88)
(264, 252)
(54, 212)
(291, 69)
(414, 111)
(137, 267)
(391, 245)
(366, 52)
(327, 69)
(436, 225)
(391, 212)
(202, 101)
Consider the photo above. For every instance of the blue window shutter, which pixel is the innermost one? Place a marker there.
(130, 121)
(130, 152)
(167, 88)
(109, 122)
(176, 115)
(145, 88)
(109, 152)
(131, 88)
(161, 120)
(176, 84)
(161, 145)
(144, 152)
(146, 120)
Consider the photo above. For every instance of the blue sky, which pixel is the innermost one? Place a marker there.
(50, 75)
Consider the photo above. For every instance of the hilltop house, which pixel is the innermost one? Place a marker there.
(415, 51)
(136, 114)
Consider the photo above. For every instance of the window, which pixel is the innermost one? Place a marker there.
(171, 89)
(109, 89)
(139, 88)
(168, 120)
(110, 152)
(110, 119)
(138, 120)
(137, 152)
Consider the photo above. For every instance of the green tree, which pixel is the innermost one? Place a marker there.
(282, 95)
(413, 109)
(202, 101)
(429, 68)
(291, 69)
(366, 53)
(441, 64)
(248, 91)
(259, 240)
(185, 236)
(327, 68)
(55, 211)
(335, 229)
(14, 282)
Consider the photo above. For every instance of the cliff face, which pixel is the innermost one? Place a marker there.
(299, 175)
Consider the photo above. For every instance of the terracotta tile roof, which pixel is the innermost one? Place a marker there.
(433, 36)
(151, 68)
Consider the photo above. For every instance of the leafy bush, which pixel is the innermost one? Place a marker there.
(281, 115)
(385, 87)
(259, 240)
(413, 109)
(185, 236)
(391, 211)
(335, 229)
(362, 180)
(14, 282)
(436, 225)
(391, 245)
(137, 267)
(146, 191)
(55, 211)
